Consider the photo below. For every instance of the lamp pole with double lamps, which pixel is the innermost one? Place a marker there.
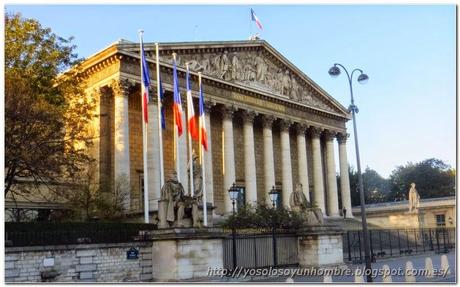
(334, 71)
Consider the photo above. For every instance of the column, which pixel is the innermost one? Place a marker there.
(208, 154)
(153, 155)
(269, 164)
(286, 168)
(250, 176)
(318, 183)
(344, 176)
(302, 158)
(332, 196)
(229, 155)
(121, 138)
(183, 152)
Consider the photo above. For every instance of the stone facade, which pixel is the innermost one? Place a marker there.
(78, 263)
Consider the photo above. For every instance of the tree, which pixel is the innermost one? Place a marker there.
(433, 178)
(375, 186)
(47, 113)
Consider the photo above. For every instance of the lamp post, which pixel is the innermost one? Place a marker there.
(233, 192)
(273, 197)
(334, 71)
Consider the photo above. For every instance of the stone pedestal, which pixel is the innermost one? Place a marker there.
(185, 253)
(320, 246)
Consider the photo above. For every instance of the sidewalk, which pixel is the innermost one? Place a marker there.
(418, 262)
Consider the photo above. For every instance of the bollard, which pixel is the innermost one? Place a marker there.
(358, 276)
(429, 267)
(445, 264)
(327, 279)
(386, 277)
(289, 280)
(409, 275)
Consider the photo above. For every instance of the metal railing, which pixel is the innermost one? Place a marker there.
(261, 248)
(398, 242)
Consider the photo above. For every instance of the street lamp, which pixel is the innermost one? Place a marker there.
(334, 71)
(233, 192)
(273, 196)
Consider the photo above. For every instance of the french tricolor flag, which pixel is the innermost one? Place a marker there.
(202, 126)
(254, 18)
(145, 84)
(192, 129)
(177, 105)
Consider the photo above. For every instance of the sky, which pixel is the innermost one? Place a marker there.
(407, 110)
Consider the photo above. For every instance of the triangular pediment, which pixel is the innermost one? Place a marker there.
(251, 63)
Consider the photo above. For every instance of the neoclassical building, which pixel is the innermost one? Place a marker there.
(269, 125)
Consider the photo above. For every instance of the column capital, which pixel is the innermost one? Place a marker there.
(248, 116)
(208, 105)
(342, 137)
(329, 135)
(315, 131)
(301, 128)
(268, 121)
(285, 124)
(227, 111)
(122, 87)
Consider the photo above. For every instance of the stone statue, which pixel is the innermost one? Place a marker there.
(224, 66)
(297, 200)
(299, 203)
(414, 199)
(236, 68)
(286, 83)
(261, 68)
(197, 197)
(172, 193)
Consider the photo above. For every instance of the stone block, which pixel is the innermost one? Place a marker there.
(86, 260)
(146, 277)
(9, 264)
(86, 267)
(11, 273)
(86, 275)
(86, 252)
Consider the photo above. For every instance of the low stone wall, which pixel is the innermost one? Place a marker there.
(320, 246)
(78, 263)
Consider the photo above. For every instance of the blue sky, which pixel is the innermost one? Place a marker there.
(407, 111)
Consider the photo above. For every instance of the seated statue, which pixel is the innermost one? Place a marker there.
(173, 193)
(299, 203)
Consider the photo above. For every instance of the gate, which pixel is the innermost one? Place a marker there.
(260, 249)
(386, 243)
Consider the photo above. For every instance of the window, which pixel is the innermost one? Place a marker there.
(440, 220)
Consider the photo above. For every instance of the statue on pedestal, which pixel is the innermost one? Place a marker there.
(172, 194)
(414, 199)
(299, 203)
(197, 197)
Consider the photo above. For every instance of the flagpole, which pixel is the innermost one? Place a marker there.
(176, 140)
(144, 135)
(189, 90)
(203, 173)
(160, 128)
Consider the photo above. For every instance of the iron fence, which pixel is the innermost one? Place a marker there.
(386, 243)
(34, 234)
(260, 248)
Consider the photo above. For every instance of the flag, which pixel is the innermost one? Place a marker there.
(145, 84)
(191, 121)
(202, 125)
(162, 97)
(254, 18)
(177, 106)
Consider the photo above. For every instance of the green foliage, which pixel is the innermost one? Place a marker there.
(47, 114)
(262, 216)
(433, 178)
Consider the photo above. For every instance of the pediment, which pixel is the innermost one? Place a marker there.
(253, 64)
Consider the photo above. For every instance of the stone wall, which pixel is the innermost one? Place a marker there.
(78, 263)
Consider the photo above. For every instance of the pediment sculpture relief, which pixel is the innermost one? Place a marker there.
(254, 70)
